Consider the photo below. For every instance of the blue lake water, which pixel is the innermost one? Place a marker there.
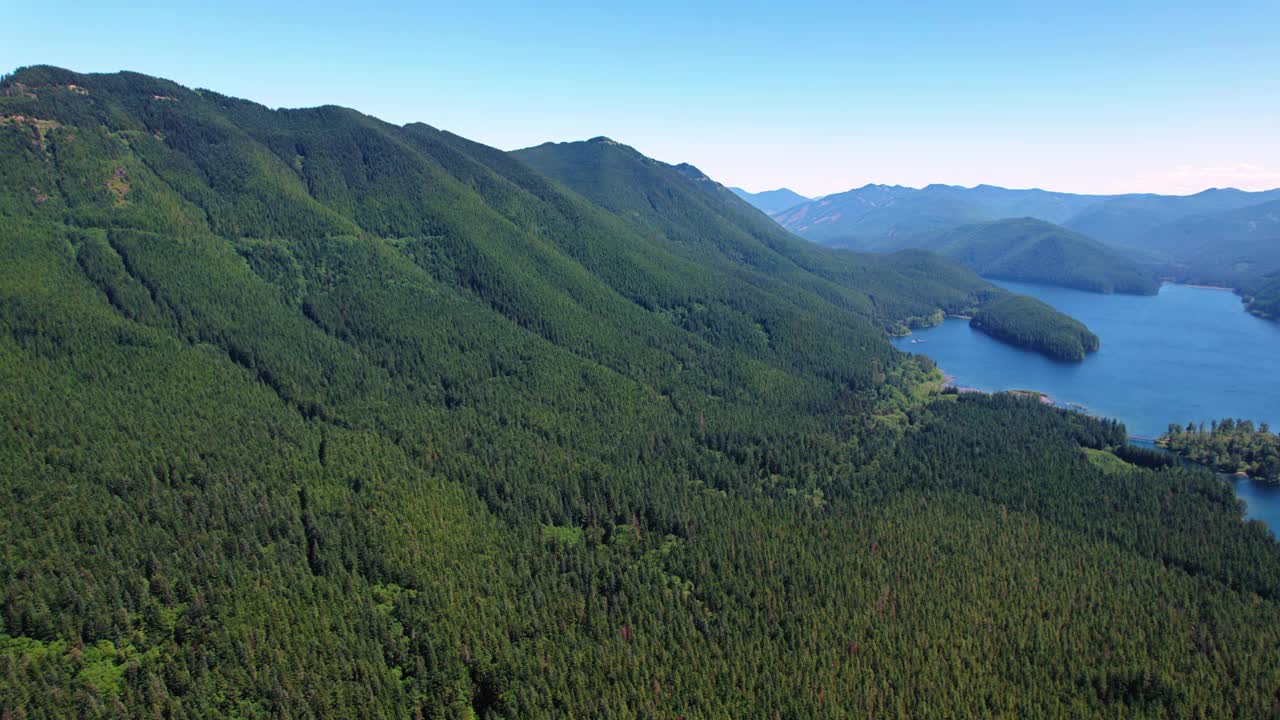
(1186, 354)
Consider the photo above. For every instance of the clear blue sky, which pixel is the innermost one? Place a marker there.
(1082, 96)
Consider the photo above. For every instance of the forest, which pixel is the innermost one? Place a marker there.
(1263, 299)
(1228, 445)
(1031, 324)
(308, 415)
(1031, 250)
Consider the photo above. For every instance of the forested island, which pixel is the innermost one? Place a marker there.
(310, 415)
(1233, 446)
(1029, 323)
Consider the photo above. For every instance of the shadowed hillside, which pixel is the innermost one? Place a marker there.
(1031, 250)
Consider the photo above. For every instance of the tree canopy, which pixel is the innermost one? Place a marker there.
(306, 415)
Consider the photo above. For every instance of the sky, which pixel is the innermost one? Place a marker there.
(1099, 97)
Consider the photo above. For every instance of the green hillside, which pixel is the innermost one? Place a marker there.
(306, 415)
(1033, 250)
(1132, 221)
(1029, 323)
(1234, 247)
(1263, 299)
(680, 208)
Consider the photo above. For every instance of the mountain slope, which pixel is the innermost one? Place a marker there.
(681, 204)
(684, 210)
(309, 415)
(1128, 221)
(771, 201)
(1263, 299)
(1033, 250)
(1233, 247)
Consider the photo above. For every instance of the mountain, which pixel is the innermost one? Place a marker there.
(771, 201)
(875, 214)
(681, 208)
(680, 204)
(1220, 236)
(1031, 250)
(1231, 247)
(310, 415)
(1131, 222)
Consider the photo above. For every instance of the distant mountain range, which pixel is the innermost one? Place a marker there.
(873, 213)
(1148, 223)
(1223, 236)
(771, 201)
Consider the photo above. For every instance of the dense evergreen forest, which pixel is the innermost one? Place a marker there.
(681, 203)
(1031, 250)
(1228, 445)
(1029, 323)
(305, 415)
(1263, 299)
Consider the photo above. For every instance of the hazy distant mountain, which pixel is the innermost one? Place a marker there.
(1223, 236)
(1230, 247)
(1055, 207)
(771, 201)
(1033, 250)
(869, 214)
(875, 212)
(1128, 221)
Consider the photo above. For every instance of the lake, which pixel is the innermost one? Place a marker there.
(1186, 354)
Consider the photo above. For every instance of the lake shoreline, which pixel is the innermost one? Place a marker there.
(1187, 354)
(1203, 287)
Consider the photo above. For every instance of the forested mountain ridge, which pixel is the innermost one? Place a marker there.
(1128, 221)
(682, 208)
(1233, 247)
(1031, 250)
(681, 205)
(308, 415)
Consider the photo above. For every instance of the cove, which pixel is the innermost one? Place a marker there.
(1187, 354)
